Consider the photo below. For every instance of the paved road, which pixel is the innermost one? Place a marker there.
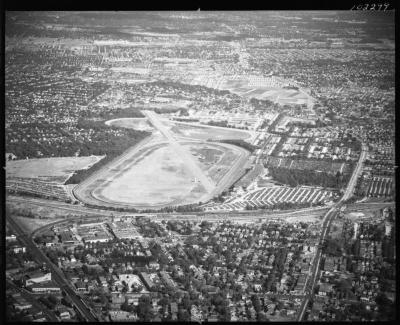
(328, 218)
(89, 213)
(356, 173)
(190, 162)
(311, 280)
(57, 275)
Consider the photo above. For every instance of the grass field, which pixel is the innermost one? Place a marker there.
(215, 159)
(206, 154)
(207, 133)
(174, 166)
(48, 169)
(140, 124)
(159, 178)
(154, 176)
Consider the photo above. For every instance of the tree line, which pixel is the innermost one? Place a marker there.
(240, 143)
(296, 177)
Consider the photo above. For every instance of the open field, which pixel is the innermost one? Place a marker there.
(159, 178)
(46, 212)
(48, 169)
(188, 159)
(31, 224)
(155, 176)
(215, 159)
(152, 174)
(172, 167)
(140, 124)
(45, 176)
(200, 132)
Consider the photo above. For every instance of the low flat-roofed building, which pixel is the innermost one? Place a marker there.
(124, 230)
(68, 238)
(121, 316)
(165, 277)
(11, 238)
(324, 289)
(146, 280)
(45, 287)
(21, 304)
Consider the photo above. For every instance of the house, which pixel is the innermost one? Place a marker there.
(11, 238)
(19, 249)
(154, 265)
(22, 304)
(103, 281)
(195, 314)
(213, 317)
(174, 310)
(165, 277)
(118, 299)
(324, 289)
(80, 286)
(257, 287)
(121, 316)
(63, 313)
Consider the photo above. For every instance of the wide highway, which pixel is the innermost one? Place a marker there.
(87, 212)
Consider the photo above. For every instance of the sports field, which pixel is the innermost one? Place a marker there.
(215, 159)
(140, 124)
(155, 176)
(201, 132)
(160, 177)
(167, 169)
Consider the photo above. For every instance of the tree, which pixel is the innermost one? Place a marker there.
(186, 303)
(261, 317)
(145, 310)
(136, 288)
(183, 315)
(256, 303)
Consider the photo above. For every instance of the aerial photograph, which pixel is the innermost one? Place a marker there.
(200, 166)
